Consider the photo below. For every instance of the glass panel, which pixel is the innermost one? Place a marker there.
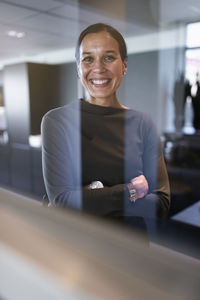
(193, 35)
(192, 64)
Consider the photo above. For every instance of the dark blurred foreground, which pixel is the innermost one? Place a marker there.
(51, 254)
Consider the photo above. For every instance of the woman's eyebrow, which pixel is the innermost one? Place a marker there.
(110, 51)
(107, 51)
(86, 53)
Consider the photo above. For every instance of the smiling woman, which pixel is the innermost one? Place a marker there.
(98, 155)
(101, 68)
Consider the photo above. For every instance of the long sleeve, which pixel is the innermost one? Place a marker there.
(61, 157)
(82, 143)
(156, 203)
(61, 161)
(155, 172)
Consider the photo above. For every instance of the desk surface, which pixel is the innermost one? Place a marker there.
(55, 254)
(190, 215)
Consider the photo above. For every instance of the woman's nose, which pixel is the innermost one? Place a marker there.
(98, 66)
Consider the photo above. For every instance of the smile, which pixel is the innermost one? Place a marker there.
(100, 81)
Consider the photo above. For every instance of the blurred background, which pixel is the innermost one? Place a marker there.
(38, 73)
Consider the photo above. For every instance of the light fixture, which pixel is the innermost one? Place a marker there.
(20, 35)
(11, 33)
(16, 34)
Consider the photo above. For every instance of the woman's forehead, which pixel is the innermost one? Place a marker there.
(101, 40)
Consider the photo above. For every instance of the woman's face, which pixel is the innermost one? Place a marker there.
(101, 68)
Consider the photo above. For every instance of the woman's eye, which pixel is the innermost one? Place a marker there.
(88, 59)
(109, 58)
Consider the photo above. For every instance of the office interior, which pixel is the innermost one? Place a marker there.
(38, 73)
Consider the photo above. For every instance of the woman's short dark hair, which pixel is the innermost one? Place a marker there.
(99, 27)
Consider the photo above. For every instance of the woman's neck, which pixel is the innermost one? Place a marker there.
(111, 102)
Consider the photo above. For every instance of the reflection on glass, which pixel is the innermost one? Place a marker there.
(188, 117)
(3, 122)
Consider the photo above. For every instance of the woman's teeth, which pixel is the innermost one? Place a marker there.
(98, 81)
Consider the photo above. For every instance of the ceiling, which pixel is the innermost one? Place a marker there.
(52, 26)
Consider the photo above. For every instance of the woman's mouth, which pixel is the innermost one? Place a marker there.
(100, 82)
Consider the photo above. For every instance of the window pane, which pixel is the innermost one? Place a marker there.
(193, 35)
(192, 64)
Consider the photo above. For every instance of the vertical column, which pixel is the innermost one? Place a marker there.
(16, 93)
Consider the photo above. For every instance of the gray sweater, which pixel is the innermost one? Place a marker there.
(83, 142)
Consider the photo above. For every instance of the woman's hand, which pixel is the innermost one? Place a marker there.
(140, 185)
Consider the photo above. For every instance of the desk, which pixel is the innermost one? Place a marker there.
(190, 215)
(55, 254)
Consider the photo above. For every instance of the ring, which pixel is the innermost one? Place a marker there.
(132, 192)
(133, 195)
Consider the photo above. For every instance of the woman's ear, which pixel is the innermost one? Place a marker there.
(78, 70)
(125, 63)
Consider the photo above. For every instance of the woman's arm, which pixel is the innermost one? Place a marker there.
(61, 159)
(156, 201)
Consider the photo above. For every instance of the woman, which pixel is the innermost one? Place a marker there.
(98, 155)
